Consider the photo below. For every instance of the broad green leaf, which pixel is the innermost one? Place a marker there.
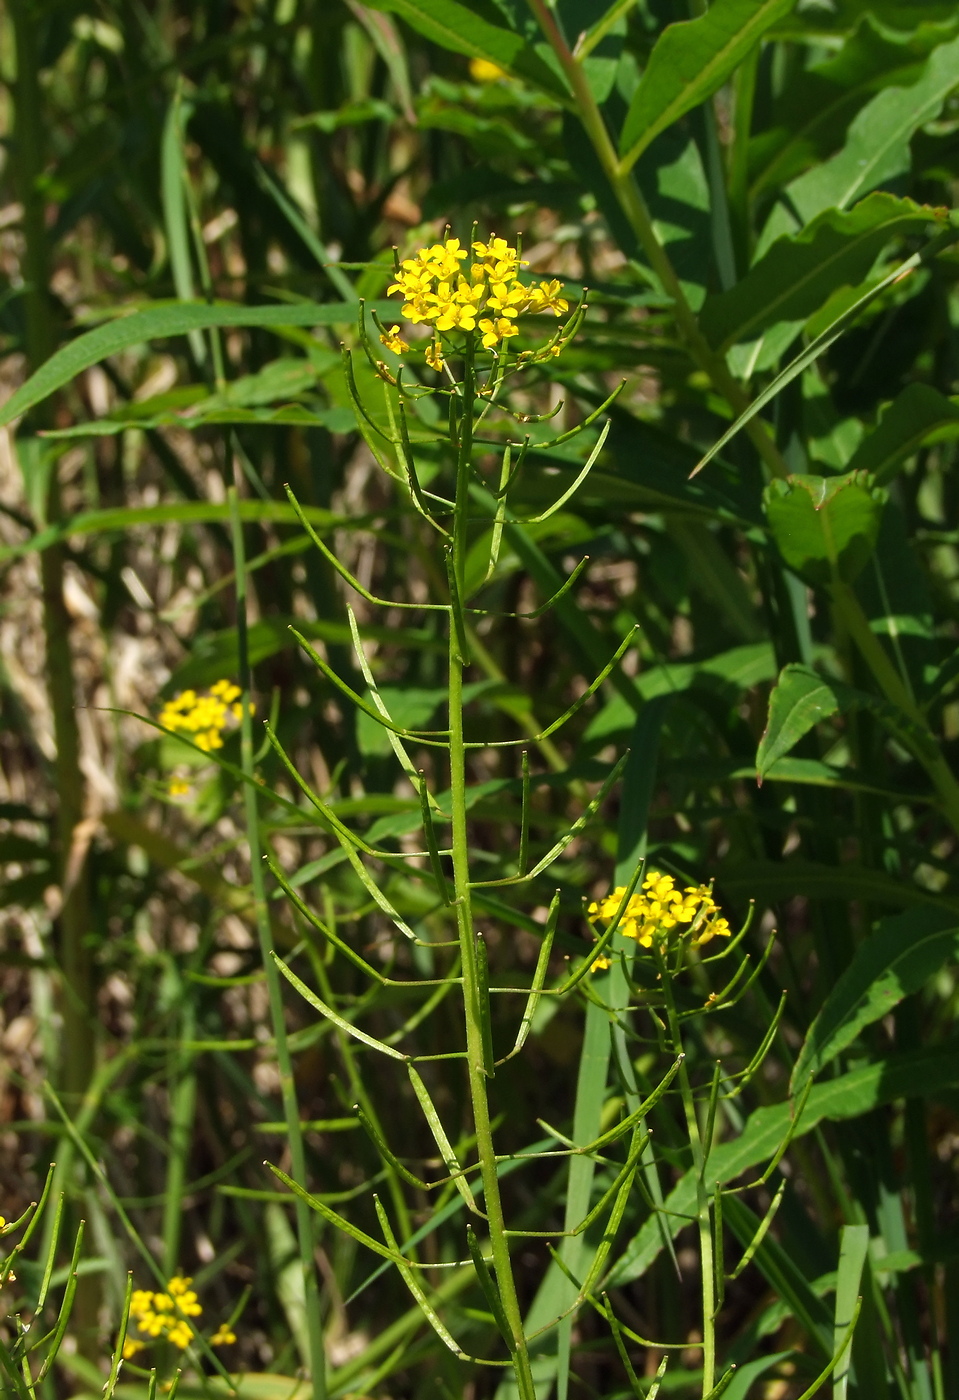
(877, 145)
(920, 414)
(840, 322)
(216, 654)
(689, 62)
(910, 1075)
(798, 274)
(457, 27)
(160, 322)
(408, 706)
(825, 527)
(899, 958)
(800, 699)
(812, 113)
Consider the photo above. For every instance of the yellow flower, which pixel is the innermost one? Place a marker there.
(203, 716)
(394, 341)
(131, 1346)
(441, 289)
(546, 297)
(224, 1336)
(652, 915)
(434, 355)
(495, 331)
(178, 787)
(601, 963)
(483, 71)
(164, 1314)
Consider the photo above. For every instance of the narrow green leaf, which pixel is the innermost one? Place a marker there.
(772, 881)
(455, 26)
(852, 1257)
(690, 61)
(899, 958)
(799, 273)
(176, 219)
(159, 323)
(783, 1274)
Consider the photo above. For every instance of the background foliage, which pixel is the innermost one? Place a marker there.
(759, 203)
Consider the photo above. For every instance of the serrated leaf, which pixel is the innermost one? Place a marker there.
(798, 274)
(689, 62)
(877, 145)
(825, 527)
(159, 323)
(899, 958)
(455, 26)
(920, 414)
(799, 700)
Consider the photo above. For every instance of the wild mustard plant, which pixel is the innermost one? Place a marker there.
(474, 300)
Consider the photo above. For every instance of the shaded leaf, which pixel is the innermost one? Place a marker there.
(914, 1074)
(877, 146)
(825, 527)
(899, 958)
(798, 274)
(799, 700)
(920, 414)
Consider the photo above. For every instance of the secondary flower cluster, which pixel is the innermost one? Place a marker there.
(204, 715)
(653, 915)
(440, 290)
(163, 1316)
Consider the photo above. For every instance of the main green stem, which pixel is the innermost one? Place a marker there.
(634, 207)
(472, 993)
(703, 1216)
(291, 1110)
(74, 954)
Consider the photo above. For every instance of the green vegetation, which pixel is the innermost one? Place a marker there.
(478, 766)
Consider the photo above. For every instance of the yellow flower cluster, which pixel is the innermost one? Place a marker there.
(652, 915)
(440, 290)
(204, 715)
(164, 1315)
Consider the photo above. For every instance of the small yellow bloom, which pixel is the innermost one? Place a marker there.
(601, 963)
(546, 297)
(224, 1336)
(483, 71)
(394, 341)
(434, 355)
(178, 787)
(131, 1346)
